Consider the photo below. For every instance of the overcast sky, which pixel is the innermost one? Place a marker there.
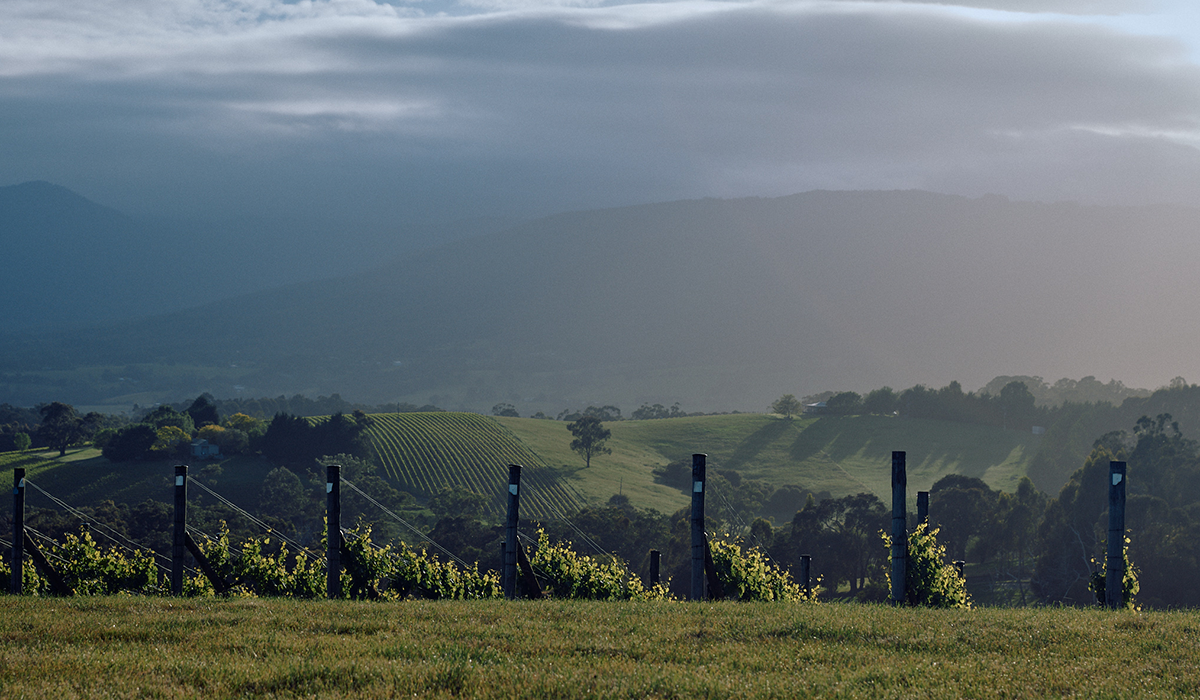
(445, 108)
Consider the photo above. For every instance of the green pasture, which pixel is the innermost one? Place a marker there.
(154, 647)
(841, 454)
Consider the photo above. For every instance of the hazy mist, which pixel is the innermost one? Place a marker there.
(721, 304)
(215, 153)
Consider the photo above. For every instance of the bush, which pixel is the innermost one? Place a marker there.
(748, 575)
(418, 574)
(130, 443)
(1130, 586)
(91, 570)
(32, 581)
(573, 575)
(928, 579)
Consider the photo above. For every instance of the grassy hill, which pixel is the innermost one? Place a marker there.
(843, 455)
(426, 452)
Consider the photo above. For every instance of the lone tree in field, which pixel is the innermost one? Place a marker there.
(61, 426)
(590, 436)
(786, 406)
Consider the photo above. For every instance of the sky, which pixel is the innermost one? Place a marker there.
(371, 112)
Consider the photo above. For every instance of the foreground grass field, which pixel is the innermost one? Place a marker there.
(138, 647)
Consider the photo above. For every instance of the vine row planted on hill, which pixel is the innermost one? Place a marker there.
(429, 452)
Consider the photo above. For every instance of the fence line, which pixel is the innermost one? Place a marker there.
(243, 512)
(102, 529)
(402, 521)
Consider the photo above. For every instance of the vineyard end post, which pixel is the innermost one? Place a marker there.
(899, 527)
(655, 563)
(806, 574)
(1114, 564)
(699, 467)
(510, 532)
(179, 546)
(16, 582)
(922, 507)
(333, 531)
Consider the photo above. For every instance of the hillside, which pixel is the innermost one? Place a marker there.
(843, 455)
(428, 452)
(717, 304)
(70, 262)
(424, 453)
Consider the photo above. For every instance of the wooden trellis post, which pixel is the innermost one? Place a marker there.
(220, 585)
(699, 543)
(922, 507)
(333, 531)
(655, 562)
(899, 527)
(179, 545)
(16, 584)
(58, 586)
(1114, 563)
(806, 574)
(510, 532)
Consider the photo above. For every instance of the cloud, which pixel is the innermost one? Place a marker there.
(387, 111)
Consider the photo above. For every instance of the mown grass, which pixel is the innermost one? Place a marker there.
(137, 647)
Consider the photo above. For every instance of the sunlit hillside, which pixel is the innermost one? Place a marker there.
(842, 455)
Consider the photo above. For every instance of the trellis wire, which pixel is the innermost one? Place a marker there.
(117, 538)
(238, 509)
(404, 522)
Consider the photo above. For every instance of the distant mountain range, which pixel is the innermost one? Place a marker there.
(69, 262)
(718, 304)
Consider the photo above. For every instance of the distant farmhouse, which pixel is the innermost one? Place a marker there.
(203, 449)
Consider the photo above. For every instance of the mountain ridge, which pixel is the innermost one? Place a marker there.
(720, 304)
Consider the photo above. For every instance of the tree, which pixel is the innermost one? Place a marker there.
(962, 507)
(203, 411)
(282, 495)
(844, 403)
(648, 412)
(164, 415)
(246, 424)
(590, 436)
(458, 502)
(169, 440)
(1017, 405)
(505, 409)
(22, 442)
(881, 402)
(61, 426)
(603, 413)
(786, 405)
(130, 443)
(842, 535)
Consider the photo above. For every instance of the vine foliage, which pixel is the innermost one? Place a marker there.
(1130, 585)
(929, 581)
